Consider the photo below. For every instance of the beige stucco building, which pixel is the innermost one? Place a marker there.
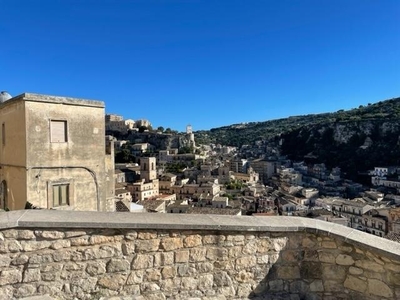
(148, 185)
(53, 153)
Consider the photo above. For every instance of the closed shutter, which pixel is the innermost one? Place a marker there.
(58, 131)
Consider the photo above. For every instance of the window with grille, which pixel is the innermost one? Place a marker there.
(60, 195)
(58, 131)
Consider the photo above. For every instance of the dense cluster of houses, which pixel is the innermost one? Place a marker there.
(269, 185)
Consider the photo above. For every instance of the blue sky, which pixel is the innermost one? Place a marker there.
(204, 63)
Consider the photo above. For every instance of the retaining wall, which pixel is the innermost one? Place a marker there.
(90, 255)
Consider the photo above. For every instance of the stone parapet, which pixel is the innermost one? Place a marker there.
(91, 255)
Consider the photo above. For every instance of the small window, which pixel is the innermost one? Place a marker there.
(3, 195)
(60, 195)
(3, 133)
(58, 131)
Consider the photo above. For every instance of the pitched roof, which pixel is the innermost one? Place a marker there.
(121, 207)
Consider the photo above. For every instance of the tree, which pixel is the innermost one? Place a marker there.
(124, 156)
(142, 128)
(160, 128)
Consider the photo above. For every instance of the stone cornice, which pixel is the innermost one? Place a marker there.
(79, 219)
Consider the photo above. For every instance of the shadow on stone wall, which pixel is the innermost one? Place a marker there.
(310, 266)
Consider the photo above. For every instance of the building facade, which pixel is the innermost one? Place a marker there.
(54, 155)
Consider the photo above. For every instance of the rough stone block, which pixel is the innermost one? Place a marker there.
(112, 281)
(217, 253)
(355, 284)
(149, 287)
(192, 241)
(222, 278)
(197, 254)
(131, 235)
(168, 272)
(96, 268)
(70, 234)
(344, 260)
(80, 241)
(245, 262)
(244, 276)
(292, 255)
(205, 267)
(144, 246)
(5, 260)
(152, 275)
(334, 272)
(100, 239)
(142, 261)
(141, 235)
(163, 258)
(26, 235)
(50, 234)
(31, 275)
(60, 244)
(379, 288)
(135, 277)
(333, 286)
(205, 282)
(211, 239)
(128, 248)
(276, 285)
(250, 247)
(310, 270)
(369, 265)
(10, 276)
(328, 245)
(327, 257)
(316, 286)
(169, 244)
(24, 290)
(20, 259)
(288, 272)
(117, 265)
(181, 256)
(15, 246)
(355, 271)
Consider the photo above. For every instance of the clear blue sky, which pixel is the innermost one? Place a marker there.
(204, 63)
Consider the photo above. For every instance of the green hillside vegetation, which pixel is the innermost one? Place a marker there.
(247, 133)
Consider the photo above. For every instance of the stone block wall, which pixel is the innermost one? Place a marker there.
(81, 260)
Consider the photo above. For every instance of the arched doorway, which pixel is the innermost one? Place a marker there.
(3, 195)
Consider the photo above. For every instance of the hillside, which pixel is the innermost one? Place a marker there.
(356, 139)
(247, 133)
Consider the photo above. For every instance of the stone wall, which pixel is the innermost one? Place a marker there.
(89, 255)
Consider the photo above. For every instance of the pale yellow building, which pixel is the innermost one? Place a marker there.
(148, 185)
(53, 153)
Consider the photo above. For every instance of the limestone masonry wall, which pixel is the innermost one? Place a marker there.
(113, 254)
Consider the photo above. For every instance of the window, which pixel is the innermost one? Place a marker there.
(3, 133)
(60, 195)
(58, 131)
(3, 195)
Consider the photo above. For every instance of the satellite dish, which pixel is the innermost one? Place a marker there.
(4, 96)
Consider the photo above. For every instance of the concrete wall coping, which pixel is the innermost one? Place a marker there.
(54, 99)
(53, 219)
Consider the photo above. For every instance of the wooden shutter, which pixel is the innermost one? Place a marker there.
(58, 131)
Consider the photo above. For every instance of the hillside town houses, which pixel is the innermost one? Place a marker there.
(167, 172)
